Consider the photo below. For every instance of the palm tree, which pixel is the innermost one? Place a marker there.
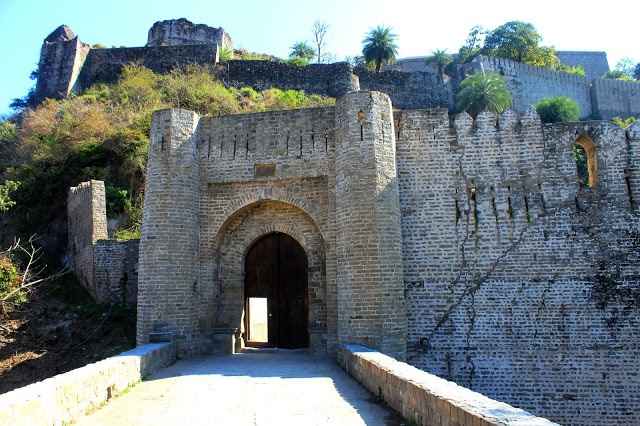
(302, 50)
(441, 58)
(482, 91)
(379, 46)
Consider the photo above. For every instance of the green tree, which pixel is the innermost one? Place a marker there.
(624, 70)
(618, 75)
(520, 41)
(441, 59)
(482, 91)
(557, 110)
(302, 50)
(379, 47)
(472, 45)
(636, 71)
(226, 54)
(512, 40)
(624, 122)
(5, 195)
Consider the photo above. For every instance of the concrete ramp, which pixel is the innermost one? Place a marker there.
(262, 387)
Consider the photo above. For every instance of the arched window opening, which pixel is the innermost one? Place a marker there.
(584, 152)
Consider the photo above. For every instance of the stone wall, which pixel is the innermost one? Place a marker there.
(106, 268)
(67, 397)
(105, 65)
(408, 90)
(169, 251)
(323, 79)
(87, 223)
(371, 307)
(519, 281)
(515, 271)
(529, 84)
(425, 399)
(176, 32)
(616, 98)
(116, 271)
(595, 64)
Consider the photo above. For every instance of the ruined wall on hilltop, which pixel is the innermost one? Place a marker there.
(176, 32)
(105, 65)
(521, 282)
(61, 59)
(332, 80)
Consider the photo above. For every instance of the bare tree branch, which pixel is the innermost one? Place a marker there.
(319, 31)
(34, 269)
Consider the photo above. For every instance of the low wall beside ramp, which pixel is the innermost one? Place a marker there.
(66, 397)
(426, 399)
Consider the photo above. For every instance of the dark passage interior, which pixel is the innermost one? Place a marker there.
(276, 269)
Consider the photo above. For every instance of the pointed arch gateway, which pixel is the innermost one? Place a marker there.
(276, 298)
(270, 250)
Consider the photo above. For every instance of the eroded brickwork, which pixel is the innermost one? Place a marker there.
(509, 262)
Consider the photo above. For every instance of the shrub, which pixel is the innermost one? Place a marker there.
(5, 195)
(226, 54)
(482, 91)
(624, 122)
(298, 62)
(618, 75)
(103, 133)
(557, 110)
(10, 282)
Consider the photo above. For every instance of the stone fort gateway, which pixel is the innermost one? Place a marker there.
(473, 249)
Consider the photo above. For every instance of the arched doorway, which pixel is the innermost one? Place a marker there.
(275, 292)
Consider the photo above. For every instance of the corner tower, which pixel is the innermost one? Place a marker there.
(168, 268)
(371, 307)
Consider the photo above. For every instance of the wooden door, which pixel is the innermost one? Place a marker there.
(276, 268)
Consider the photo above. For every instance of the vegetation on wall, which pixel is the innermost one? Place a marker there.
(379, 47)
(515, 40)
(103, 134)
(558, 109)
(483, 91)
(301, 53)
(624, 70)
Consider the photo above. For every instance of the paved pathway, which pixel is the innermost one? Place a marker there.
(265, 387)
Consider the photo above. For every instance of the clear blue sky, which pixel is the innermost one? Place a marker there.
(272, 26)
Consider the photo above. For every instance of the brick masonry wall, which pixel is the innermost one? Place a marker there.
(504, 257)
(371, 306)
(518, 281)
(168, 266)
(116, 271)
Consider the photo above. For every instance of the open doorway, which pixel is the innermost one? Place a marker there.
(276, 293)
